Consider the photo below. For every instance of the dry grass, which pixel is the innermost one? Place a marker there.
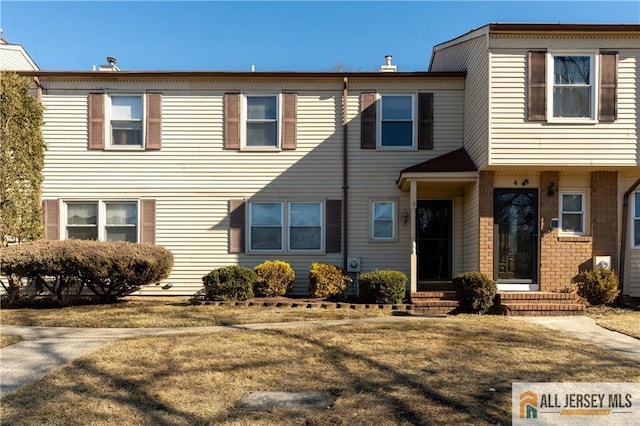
(622, 320)
(151, 312)
(8, 339)
(456, 370)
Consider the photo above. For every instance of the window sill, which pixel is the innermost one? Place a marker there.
(589, 121)
(397, 148)
(260, 149)
(380, 240)
(575, 238)
(124, 148)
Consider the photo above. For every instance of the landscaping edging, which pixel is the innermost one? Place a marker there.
(309, 305)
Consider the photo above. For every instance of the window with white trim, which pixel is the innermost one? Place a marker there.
(261, 121)
(126, 125)
(636, 219)
(572, 92)
(572, 213)
(102, 220)
(302, 227)
(383, 224)
(397, 121)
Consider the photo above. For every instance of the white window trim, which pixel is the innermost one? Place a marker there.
(585, 231)
(102, 215)
(414, 124)
(243, 123)
(285, 226)
(394, 218)
(595, 83)
(107, 123)
(633, 221)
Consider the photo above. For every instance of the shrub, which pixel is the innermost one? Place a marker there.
(475, 291)
(383, 286)
(327, 280)
(274, 278)
(598, 286)
(229, 283)
(109, 270)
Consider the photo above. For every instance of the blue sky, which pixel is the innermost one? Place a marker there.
(273, 36)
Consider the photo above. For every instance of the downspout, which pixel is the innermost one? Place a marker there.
(623, 239)
(345, 173)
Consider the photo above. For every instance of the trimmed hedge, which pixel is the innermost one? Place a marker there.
(383, 286)
(274, 278)
(109, 270)
(327, 280)
(229, 283)
(475, 291)
(598, 286)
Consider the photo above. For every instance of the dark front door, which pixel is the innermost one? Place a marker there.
(515, 216)
(434, 223)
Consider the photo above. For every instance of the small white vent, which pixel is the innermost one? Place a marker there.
(603, 261)
(353, 264)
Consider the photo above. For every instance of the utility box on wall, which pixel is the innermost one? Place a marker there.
(353, 264)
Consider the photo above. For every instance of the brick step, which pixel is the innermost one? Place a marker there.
(433, 295)
(436, 303)
(537, 297)
(547, 309)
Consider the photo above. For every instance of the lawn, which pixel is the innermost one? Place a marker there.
(454, 370)
(8, 339)
(623, 320)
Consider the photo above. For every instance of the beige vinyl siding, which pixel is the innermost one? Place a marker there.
(471, 225)
(13, 57)
(192, 178)
(632, 285)
(514, 140)
(471, 56)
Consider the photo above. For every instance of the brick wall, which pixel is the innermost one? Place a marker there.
(604, 215)
(486, 223)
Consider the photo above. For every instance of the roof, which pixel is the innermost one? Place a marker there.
(451, 162)
(14, 57)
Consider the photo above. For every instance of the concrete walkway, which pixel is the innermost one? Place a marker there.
(45, 348)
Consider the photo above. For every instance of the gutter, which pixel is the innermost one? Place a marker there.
(345, 172)
(623, 239)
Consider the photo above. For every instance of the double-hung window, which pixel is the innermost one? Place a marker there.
(396, 121)
(126, 121)
(261, 121)
(305, 226)
(573, 92)
(572, 213)
(265, 221)
(636, 219)
(102, 220)
(383, 226)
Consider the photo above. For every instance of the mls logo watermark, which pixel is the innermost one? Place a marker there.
(563, 403)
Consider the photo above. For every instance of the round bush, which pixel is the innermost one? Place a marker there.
(274, 278)
(327, 280)
(475, 291)
(383, 286)
(599, 286)
(229, 283)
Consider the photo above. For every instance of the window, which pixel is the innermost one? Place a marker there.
(126, 113)
(302, 228)
(636, 219)
(383, 220)
(572, 213)
(572, 86)
(104, 221)
(396, 121)
(261, 121)
(305, 226)
(265, 221)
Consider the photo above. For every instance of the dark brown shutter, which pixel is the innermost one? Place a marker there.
(537, 92)
(608, 86)
(51, 219)
(425, 121)
(148, 221)
(232, 121)
(96, 121)
(333, 235)
(289, 120)
(368, 120)
(236, 226)
(154, 121)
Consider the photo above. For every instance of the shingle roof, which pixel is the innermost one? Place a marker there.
(454, 161)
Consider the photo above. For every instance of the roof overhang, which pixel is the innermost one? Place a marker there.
(455, 167)
(458, 178)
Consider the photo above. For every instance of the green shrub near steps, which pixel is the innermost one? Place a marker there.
(475, 291)
(327, 280)
(229, 283)
(598, 286)
(274, 278)
(383, 286)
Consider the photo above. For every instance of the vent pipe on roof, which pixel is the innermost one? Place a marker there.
(387, 67)
(111, 65)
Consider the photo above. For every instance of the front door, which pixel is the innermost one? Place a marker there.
(515, 217)
(434, 223)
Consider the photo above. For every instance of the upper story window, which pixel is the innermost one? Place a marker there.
(573, 93)
(102, 220)
(261, 121)
(636, 219)
(396, 121)
(126, 120)
(572, 213)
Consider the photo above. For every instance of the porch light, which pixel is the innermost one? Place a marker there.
(405, 216)
(551, 189)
